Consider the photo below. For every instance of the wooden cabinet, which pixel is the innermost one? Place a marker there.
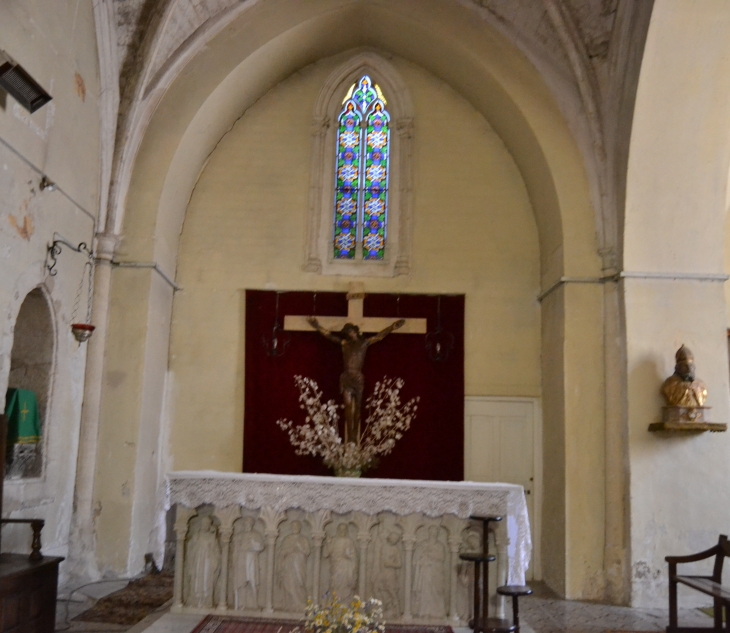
(28, 594)
(28, 584)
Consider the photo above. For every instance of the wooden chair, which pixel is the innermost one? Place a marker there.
(708, 585)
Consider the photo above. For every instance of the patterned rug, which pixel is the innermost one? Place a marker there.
(133, 603)
(229, 624)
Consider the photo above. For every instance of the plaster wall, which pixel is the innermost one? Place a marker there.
(675, 213)
(474, 232)
(573, 529)
(679, 492)
(55, 43)
(553, 389)
(129, 487)
(584, 430)
(123, 374)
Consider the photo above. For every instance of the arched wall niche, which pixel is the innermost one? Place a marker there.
(31, 368)
(318, 258)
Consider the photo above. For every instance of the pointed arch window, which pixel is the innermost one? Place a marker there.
(359, 220)
(362, 174)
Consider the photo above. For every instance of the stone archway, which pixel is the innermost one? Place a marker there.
(229, 75)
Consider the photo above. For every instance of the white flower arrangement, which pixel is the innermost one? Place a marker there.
(359, 616)
(386, 421)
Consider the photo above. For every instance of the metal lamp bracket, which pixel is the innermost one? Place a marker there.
(54, 250)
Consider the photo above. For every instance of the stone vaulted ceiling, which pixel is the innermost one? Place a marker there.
(585, 49)
(528, 20)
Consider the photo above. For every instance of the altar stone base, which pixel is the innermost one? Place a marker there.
(262, 545)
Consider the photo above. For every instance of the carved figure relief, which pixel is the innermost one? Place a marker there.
(471, 544)
(203, 563)
(387, 565)
(247, 546)
(277, 559)
(429, 588)
(292, 569)
(342, 553)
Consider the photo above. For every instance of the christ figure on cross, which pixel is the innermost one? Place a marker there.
(352, 381)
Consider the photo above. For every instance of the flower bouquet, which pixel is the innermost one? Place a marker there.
(359, 616)
(386, 421)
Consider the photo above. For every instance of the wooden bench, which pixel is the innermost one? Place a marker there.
(708, 585)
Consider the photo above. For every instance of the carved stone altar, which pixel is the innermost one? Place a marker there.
(260, 545)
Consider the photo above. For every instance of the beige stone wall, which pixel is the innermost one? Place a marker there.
(474, 233)
(675, 214)
(55, 42)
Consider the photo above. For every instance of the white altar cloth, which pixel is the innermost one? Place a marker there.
(369, 496)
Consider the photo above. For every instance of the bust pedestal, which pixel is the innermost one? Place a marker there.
(687, 419)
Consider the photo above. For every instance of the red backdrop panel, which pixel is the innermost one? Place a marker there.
(433, 448)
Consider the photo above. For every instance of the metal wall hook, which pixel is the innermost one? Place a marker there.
(439, 343)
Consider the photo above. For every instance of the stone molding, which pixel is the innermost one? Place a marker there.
(318, 247)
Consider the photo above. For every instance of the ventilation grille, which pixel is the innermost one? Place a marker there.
(21, 86)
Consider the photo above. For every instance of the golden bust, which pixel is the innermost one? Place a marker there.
(682, 389)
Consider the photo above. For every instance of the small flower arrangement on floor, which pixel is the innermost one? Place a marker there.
(333, 616)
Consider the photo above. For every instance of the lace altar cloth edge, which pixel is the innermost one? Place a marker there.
(370, 496)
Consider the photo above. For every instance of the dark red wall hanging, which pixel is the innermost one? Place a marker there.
(433, 448)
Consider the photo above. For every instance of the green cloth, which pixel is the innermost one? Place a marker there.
(24, 424)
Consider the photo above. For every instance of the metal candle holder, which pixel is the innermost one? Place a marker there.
(81, 331)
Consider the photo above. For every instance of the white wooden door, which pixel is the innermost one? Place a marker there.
(503, 443)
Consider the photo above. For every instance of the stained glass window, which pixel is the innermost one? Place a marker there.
(361, 179)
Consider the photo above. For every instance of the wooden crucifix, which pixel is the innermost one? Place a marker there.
(347, 332)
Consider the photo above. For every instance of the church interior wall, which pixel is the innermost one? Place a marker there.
(474, 232)
(230, 73)
(554, 476)
(503, 211)
(573, 517)
(584, 440)
(675, 207)
(56, 44)
(124, 372)
(726, 286)
(131, 466)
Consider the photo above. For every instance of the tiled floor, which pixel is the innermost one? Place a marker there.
(541, 613)
(544, 613)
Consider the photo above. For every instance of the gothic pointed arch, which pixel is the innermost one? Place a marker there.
(392, 256)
